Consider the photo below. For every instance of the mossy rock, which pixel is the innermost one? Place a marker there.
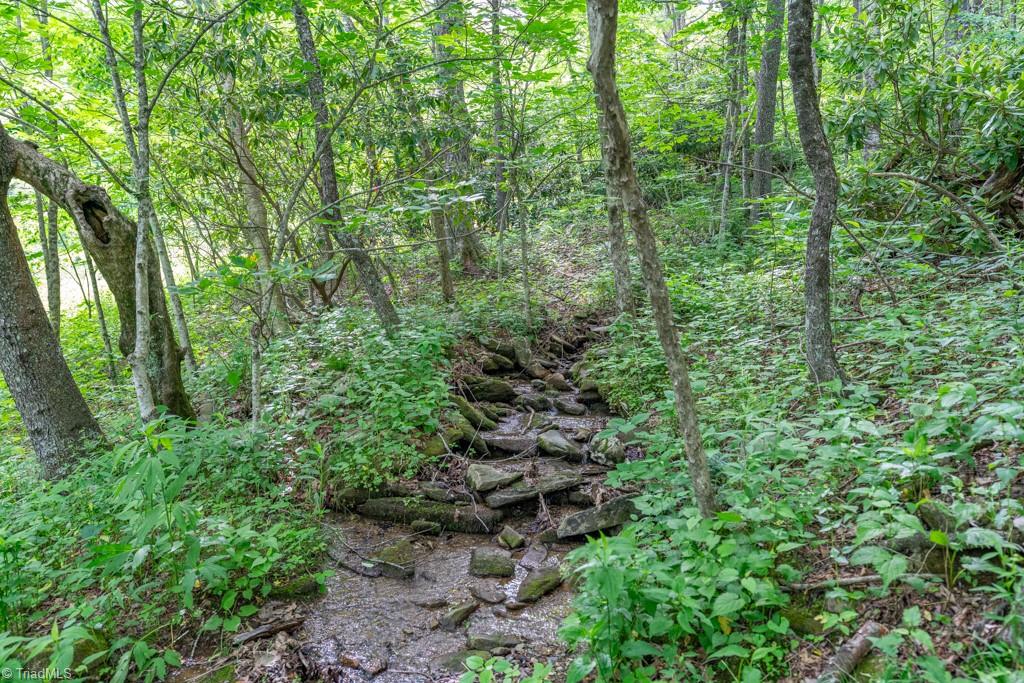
(406, 510)
(539, 583)
(474, 416)
(300, 587)
(491, 562)
(397, 561)
(803, 620)
(455, 662)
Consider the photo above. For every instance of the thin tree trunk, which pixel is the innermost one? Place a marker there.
(501, 196)
(524, 256)
(101, 317)
(330, 197)
(180, 323)
(602, 16)
(56, 417)
(732, 118)
(618, 243)
(46, 216)
(821, 355)
(764, 127)
(258, 230)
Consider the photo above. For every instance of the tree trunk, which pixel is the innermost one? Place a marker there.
(821, 356)
(180, 323)
(330, 196)
(764, 127)
(618, 243)
(732, 120)
(451, 15)
(602, 17)
(101, 317)
(501, 196)
(258, 230)
(46, 216)
(110, 238)
(55, 415)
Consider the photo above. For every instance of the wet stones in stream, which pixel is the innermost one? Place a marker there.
(483, 478)
(492, 389)
(556, 444)
(610, 514)
(486, 561)
(467, 519)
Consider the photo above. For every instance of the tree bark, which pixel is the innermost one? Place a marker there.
(110, 238)
(330, 196)
(618, 243)
(56, 417)
(258, 230)
(501, 195)
(732, 120)
(764, 127)
(101, 318)
(602, 17)
(46, 217)
(821, 355)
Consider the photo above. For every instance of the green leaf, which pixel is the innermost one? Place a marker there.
(938, 537)
(729, 651)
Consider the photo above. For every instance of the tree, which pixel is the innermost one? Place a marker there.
(111, 239)
(764, 126)
(330, 197)
(602, 17)
(56, 417)
(821, 354)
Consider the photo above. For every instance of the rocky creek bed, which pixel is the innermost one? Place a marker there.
(469, 559)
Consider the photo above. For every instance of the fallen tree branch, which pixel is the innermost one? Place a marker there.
(267, 630)
(847, 657)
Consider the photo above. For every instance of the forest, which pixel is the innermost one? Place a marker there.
(512, 340)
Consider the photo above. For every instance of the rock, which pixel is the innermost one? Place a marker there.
(538, 384)
(502, 346)
(483, 640)
(510, 443)
(582, 435)
(936, 515)
(557, 382)
(537, 371)
(482, 478)
(547, 536)
(587, 384)
(521, 349)
(578, 370)
(581, 498)
(523, 491)
(538, 583)
(430, 602)
(491, 562)
(301, 587)
(570, 407)
(446, 515)
(803, 620)
(474, 415)
(589, 398)
(608, 452)
(422, 526)
(556, 444)
(489, 389)
(612, 513)
(485, 594)
(495, 362)
(397, 561)
(534, 557)
(489, 411)
(455, 662)
(454, 617)
(441, 493)
(499, 610)
(510, 538)
(535, 401)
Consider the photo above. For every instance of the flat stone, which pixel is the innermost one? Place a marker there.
(397, 561)
(556, 381)
(489, 389)
(587, 384)
(454, 617)
(510, 443)
(510, 538)
(570, 407)
(405, 510)
(430, 602)
(523, 491)
(488, 595)
(473, 414)
(556, 444)
(483, 640)
(482, 478)
(581, 498)
(534, 557)
(612, 513)
(491, 562)
(589, 397)
(523, 354)
(538, 583)
(442, 493)
(502, 346)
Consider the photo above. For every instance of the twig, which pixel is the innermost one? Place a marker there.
(267, 630)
